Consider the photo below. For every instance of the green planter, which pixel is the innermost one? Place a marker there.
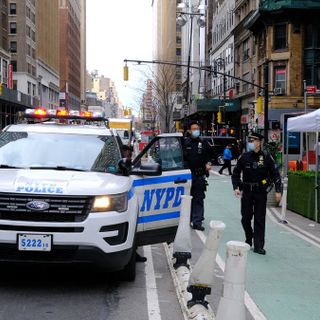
(301, 194)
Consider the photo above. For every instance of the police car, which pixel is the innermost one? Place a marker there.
(64, 197)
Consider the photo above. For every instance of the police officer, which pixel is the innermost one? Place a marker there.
(197, 154)
(259, 172)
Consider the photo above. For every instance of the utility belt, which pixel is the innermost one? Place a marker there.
(264, 186)
(197, 172)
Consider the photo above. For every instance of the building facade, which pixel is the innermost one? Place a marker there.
(4, 54)
(47, 52)
(70, 53)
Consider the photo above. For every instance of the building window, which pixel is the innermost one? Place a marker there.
(246, 50)
(14, 65)
(33, 53)
(178, 39)
(28, 31)
(13, 27)
(29, 68)
(28, 12)
(33, 89)
(178, 51)
(33, 70)
(15, 84)
(280, 36)
(33, 35)
(13, 46)
(245, 85)
(13, 8)
(29, 88)
(280, 78)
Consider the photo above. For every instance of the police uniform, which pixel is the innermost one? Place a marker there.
(259, 172)
(197, 154)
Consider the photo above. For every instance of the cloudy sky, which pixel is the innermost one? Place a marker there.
(118, 30)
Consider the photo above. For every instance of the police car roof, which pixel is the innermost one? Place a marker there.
(60, 128)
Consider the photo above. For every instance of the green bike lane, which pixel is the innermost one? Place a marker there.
(285, 283)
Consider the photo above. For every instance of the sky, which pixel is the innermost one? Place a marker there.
(118, 30)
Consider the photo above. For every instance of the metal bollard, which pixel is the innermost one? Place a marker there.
(202, 276)
(284, 201)
(231, 305)
(182, 243)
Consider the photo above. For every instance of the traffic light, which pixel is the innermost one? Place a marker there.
(219, 117)
(0, 89)
(259, 105)
(125, 73)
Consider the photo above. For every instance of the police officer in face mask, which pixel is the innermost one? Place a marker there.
(197, 154)
(259, 172)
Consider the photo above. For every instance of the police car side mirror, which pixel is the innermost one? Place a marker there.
(148, 169)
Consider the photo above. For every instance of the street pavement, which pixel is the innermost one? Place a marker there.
(285, 283)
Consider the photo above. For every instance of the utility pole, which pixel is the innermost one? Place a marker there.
(266, 103)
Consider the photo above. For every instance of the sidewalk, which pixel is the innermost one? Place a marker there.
(285, 283)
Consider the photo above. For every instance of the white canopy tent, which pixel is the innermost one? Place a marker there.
(309, 122)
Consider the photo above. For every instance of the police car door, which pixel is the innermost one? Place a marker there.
(159, 197)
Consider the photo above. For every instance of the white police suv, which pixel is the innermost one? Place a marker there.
(64, 197)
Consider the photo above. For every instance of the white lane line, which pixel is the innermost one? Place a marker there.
(298, 234)
(251, 306)
(151, 286)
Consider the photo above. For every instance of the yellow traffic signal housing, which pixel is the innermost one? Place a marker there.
(125, 73)
(259, 105)
(0, 89)
(219, 117)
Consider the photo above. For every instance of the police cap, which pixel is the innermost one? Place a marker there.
(256, 136)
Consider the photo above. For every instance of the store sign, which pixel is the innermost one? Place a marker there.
(244, 119)
(311, 89)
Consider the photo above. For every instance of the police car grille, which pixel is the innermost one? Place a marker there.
(61, 209)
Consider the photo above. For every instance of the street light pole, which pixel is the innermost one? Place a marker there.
(266, 103)
(188, 63)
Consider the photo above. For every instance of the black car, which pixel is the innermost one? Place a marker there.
(218, 145)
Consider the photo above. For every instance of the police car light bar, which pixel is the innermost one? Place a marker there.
(43, 113)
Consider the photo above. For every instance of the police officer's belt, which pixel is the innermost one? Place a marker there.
(252, 186)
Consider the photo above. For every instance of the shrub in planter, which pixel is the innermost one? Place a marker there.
(301, 193)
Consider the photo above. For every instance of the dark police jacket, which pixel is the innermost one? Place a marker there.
(197, 153)
(258, 168)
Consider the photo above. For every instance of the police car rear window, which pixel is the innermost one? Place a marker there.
(41, 150)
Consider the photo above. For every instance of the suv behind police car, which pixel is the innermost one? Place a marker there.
(63, 197)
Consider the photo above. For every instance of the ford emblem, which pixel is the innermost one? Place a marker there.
(37, 205)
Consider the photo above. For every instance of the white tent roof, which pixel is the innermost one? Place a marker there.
(309, 122)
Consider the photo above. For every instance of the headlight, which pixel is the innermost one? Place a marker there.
(116, 202)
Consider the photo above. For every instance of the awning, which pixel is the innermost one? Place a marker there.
(231, 105)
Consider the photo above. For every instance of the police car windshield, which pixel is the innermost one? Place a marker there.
(58, 150)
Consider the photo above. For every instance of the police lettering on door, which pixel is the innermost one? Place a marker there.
(162, 198)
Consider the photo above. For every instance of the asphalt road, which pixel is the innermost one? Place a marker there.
(78, 293)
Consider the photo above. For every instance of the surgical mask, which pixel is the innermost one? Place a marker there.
(251, 146)
(195, 133)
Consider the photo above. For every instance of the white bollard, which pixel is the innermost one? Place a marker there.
(231, 305)
(202, 276)
(182, 243)
(284, 201)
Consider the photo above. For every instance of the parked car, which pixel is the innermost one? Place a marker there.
(218, 144)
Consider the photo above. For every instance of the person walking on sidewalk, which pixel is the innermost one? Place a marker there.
(259, 172)
(197, 154)
(227, 157)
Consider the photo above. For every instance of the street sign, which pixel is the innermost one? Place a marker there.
(311, 89)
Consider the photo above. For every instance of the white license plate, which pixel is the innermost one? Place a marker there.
(34, 242)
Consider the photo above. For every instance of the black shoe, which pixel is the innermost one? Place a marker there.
(220, 172)
(140, 258)
(198, 227)
(260, 251)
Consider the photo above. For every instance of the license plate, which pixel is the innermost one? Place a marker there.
(34, 242)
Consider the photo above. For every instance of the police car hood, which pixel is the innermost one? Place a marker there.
(61, 182)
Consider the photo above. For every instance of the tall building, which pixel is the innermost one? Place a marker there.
(4, 54)
(47, 49)
(22, 46)
(83, 55)
(70, 53)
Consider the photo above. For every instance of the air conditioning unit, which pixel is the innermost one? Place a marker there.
(278, 91)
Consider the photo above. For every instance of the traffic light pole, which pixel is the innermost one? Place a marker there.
(209, 69)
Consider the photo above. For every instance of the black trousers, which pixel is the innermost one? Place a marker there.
(254, 204)
(198, 189)
(227, 164)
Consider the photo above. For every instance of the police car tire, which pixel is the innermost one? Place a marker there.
(220, 159)
(129, 271)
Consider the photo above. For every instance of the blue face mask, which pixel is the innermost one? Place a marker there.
(195, 133)
(251, 146)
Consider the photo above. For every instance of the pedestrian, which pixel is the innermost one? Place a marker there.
(197, 155)
(227, 157)
(127, 153)
(259, 173)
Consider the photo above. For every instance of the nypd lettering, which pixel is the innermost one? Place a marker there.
(162, 198)
(46, 188)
